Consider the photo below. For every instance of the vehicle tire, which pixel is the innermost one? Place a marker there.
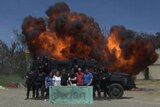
(115, 91)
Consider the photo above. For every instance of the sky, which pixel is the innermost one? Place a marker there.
(138, 15)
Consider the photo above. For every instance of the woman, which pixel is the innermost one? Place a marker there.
(56, 79)
(72, 79)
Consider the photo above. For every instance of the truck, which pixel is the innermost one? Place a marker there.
(118, 82)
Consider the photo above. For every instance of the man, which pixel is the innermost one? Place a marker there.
(104, 75)
(64, 78)
(88, 77)
(43, 75)
(39, 81)
(30, 76)
(96, 83)
(80, 77)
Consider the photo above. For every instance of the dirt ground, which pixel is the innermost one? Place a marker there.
(147, 95)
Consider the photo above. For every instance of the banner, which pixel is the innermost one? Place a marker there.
(71, 94)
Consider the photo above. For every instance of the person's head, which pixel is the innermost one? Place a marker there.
(79, 70)
(50, 74)
(91, 69)
(72, 72)
(63, 71)
(76, 66)
(57, 73)
(72, 69)
(86, 70)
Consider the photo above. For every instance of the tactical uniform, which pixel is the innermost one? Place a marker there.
(30, 76)
(96, 84)
(103, 81)
(39, 81)
(64, 79)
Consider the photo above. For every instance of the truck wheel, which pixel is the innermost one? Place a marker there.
(115, 91)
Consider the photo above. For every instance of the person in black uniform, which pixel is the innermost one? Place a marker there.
(64, 78)
(38, 83)
(104, 76)
(30, 76)
(96, 84)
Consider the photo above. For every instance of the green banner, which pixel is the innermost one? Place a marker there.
(71, 94)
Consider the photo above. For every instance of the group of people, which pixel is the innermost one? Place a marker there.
(35, 82)
(54, 78)
(73, 78)
(42, 76)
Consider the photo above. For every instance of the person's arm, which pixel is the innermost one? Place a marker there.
(91, 78)
(69, 81)
(90, 81)
(46, 85)
(75, 77)
(53, 81)
(26, 75)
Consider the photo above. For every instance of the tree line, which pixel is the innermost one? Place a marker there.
(13, 58)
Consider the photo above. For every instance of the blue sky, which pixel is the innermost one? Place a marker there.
(138, 15)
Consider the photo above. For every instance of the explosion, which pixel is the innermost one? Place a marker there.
(67, 34)
(126, 51)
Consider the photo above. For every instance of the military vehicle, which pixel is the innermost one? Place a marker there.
(117, 83)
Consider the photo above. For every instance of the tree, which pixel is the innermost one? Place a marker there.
(12, 59)
(4, 52)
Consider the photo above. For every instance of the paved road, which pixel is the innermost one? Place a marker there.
(147, 96)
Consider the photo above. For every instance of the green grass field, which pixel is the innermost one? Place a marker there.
(10, 78)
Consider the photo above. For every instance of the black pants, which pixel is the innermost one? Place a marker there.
(104, 88)
(37, 87)
(29, 87)
(96, 88)
(93, 89)
(47, 93)
(42, 88)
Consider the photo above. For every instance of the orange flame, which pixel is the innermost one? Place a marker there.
(59, 48)
(51, 45)
(113, 45)
(128, 53)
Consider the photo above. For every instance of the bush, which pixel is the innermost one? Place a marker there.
(11, 78)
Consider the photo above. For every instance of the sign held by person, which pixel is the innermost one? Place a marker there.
(71, 94)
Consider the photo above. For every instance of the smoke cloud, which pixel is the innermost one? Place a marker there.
(67, 34)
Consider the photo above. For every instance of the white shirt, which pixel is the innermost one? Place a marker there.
(56, 80)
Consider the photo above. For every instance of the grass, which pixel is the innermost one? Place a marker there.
(10, 78)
